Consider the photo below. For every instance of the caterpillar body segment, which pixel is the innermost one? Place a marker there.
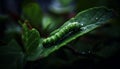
(62, 34)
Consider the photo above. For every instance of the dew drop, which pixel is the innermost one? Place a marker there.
(96, 18)
(89, 51)
(83, 52)
(81, 24)
(84, 28)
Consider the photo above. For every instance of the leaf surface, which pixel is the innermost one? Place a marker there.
(32, 42)
(89, 20)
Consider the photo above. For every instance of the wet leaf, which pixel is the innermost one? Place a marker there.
(89, 20)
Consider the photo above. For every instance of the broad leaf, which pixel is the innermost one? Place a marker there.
(89, 20)
(11, 56)
(32, 43)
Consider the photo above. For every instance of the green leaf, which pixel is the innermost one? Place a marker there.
(66, 2)
(47, 22)
(11, 56)
(89, 20)
(48, 25)
(32, 43)
(32, 12)
(65, 6)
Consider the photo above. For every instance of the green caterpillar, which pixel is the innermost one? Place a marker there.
(62, 34)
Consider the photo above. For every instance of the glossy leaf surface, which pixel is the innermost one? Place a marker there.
(89, 20)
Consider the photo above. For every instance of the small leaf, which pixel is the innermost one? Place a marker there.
(89, 20)
(33, 13)
(11, 56)
(50, 23)
(47, 23)
(65, 2)
(32, 43)
(61, 6)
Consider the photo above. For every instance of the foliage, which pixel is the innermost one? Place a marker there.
(32, 43)
(39, 38)
(11, 56)
(30, 12)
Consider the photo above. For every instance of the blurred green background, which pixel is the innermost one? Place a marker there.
(48, 15)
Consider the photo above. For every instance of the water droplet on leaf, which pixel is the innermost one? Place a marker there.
(96, 18)
(81, 24)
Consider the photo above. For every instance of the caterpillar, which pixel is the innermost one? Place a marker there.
(62, 34)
